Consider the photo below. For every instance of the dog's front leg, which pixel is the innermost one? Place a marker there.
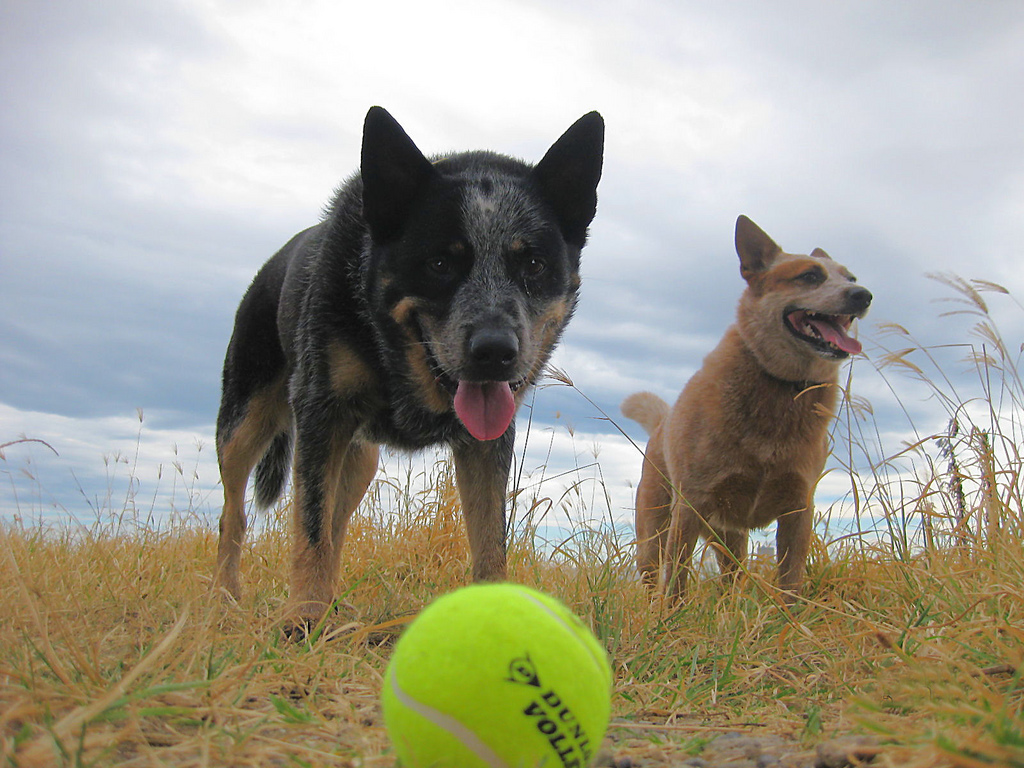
(481, 471)
(731, 551)
(323, 448)
(792, 543)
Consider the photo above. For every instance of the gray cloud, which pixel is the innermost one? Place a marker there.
(156, 155)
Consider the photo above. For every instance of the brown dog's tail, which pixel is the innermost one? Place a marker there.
(646, 408)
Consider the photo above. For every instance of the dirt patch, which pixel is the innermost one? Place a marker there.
(740, 750)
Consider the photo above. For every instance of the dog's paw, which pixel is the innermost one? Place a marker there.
(298, 630)
(227, 588)
(307, 620)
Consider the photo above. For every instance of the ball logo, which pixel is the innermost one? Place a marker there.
(551, 716)
(523, 671)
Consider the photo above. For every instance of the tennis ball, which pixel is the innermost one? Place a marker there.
(498, 676)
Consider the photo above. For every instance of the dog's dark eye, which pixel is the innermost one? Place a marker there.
(441, 266)
(534, 267)
(811, 277)
(446, 262)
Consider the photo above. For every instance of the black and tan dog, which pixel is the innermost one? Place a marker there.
(418, 312)
(746, 441)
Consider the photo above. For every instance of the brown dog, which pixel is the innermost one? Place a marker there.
(746, 441)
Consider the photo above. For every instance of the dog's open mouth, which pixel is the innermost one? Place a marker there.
(485, 408)
(829, 334)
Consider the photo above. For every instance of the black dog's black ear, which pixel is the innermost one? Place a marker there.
(568, 175)
(393, 172)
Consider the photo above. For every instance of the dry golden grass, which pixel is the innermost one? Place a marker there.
(113, 651)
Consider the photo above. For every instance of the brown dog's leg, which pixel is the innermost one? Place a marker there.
(792, 543)
(653, 514)
(682, 538)
(731, 552)
(237, 454)
(481, 472)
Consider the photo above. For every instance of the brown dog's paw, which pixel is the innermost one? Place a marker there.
(298, 630)
(791, 599)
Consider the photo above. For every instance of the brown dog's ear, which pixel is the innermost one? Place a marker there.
(818, 253)
(756, 250)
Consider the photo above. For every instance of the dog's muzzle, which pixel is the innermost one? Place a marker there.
(492, 354)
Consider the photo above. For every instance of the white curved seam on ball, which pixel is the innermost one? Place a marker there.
(568, 628)
(469, 739)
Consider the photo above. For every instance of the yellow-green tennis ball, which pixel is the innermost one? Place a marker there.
(497, 676)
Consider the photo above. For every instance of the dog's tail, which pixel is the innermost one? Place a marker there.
(272, 470)
(646, 408)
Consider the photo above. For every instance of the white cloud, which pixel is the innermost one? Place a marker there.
(158, 154)
(99, 468)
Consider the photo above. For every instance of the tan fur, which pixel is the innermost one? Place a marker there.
(645, 408)
(263, 418)
(350, 470)
(403, 311)
(427, 388)
(481, 491)
(746, 442)
(547, 327)
(349, 374)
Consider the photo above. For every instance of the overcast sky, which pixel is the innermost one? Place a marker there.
(155, 154)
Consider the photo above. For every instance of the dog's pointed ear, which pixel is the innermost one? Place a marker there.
(393, 172)
(568, 174)
(756, 250)
(819, 253)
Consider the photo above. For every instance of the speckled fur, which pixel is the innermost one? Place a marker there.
(355, 333)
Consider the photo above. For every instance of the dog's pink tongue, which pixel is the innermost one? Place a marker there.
(485, 408)
(836, 334)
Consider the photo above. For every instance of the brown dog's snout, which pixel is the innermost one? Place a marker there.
(860, 299)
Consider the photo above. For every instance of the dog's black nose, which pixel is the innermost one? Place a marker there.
(493, 353)
(859, 298)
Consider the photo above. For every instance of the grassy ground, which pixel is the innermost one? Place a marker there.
(113, 651)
